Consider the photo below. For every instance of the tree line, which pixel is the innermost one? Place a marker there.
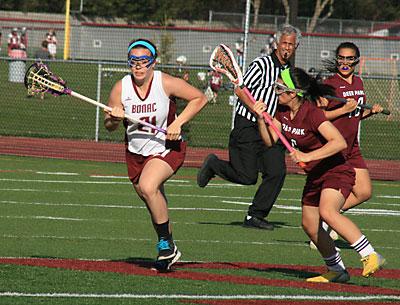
(163, 11)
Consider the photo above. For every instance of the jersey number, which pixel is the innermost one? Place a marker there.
(151, 120)
(356, 112)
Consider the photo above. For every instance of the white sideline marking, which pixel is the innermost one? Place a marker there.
(58, 173)
(118, 206)
(188, 195)
(193, 196)
(63, 181)
(126, 178)
(34, 190)
(44, 217)
(371, 212)
(387, 196)
(130, 240)
(108, 177)
(172, 182)
(188, 296)
(374, 212)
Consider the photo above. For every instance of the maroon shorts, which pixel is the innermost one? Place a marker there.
(215, 88)
(341, 178)
(355, 159)
(174, 155)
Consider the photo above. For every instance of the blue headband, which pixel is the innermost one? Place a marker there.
(144, 44)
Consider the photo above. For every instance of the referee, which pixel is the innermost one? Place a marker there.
(248, 155)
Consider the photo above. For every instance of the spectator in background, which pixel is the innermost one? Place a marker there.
(52, 43)
(186, 76)
(269, 46)
(215, 84)
(43, 52)
(202, 80)
(15, 46)
(24, 38)
(239, 46)
(1, 35)
(13, 41)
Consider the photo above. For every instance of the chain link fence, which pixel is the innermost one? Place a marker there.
(99, 60)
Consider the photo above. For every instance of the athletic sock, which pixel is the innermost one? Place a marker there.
(335, 263)
(363, 246)
(162, 230)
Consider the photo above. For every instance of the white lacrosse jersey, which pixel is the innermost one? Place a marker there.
(155, 108)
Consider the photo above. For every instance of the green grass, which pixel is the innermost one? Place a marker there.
(76, 210)
(68, 117)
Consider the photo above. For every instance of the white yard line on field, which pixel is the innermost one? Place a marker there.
(58, 173)
(301, 244)
(199, 296)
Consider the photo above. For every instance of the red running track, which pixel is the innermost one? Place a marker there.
(114, 152)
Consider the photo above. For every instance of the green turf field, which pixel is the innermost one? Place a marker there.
(70, 118)
(62, 211)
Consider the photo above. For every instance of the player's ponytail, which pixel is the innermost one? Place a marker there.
(310, 88)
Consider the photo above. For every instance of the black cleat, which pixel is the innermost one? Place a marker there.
(205, 173)
(257, 223)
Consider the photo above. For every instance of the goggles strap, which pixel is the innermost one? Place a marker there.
(285, 74)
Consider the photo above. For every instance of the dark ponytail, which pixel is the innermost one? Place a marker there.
(312, 88)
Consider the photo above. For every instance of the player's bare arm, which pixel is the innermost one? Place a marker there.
(348, 107)
(376, 108)
(177, 87)
(335, 142)
(113, 118)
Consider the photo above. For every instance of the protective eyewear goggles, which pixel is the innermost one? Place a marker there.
(140, 61)
(280, 88)
(352, 60)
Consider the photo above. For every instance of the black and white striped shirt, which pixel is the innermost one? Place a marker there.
(259, 79)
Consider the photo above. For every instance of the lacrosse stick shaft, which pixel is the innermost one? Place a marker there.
(268, 119)
(365, 106)
(128, 117)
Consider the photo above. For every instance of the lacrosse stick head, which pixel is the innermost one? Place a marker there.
(39, 79)
(222, 60)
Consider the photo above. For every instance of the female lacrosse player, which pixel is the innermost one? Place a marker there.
(153, 157)
(329, 177)
(346, 117)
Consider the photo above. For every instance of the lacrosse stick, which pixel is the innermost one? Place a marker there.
(222, 60)
(39, 79)
(343, 100)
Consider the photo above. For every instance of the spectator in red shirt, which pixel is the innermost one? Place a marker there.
(215, 84)
(52, 43)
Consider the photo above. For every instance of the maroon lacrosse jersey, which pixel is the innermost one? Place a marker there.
(348, 123)
(302, 132)
(215, 81)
